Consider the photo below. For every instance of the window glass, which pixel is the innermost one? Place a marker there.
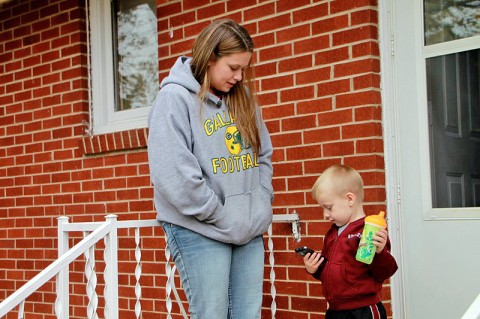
(453, 87)
(136, 58)
(447, 20)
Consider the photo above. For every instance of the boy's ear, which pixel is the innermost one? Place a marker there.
(351, 198)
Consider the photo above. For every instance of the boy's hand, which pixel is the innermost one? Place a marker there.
(380, 240)
(312, 262)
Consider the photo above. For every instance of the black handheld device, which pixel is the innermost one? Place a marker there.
(302, 251)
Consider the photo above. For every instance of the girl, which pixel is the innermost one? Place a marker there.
(210, 163)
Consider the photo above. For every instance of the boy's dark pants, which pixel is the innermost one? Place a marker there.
(370, 312)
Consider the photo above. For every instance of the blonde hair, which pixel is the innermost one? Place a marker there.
(222, 38)
(340, 179)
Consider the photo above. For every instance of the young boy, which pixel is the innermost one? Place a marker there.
(351, 288)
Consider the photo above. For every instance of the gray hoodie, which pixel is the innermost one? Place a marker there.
(204, 178)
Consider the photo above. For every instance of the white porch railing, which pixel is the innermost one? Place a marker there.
(473, 312)
(93, 233)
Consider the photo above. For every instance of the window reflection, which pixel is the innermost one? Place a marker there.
(447, 20)
(453, 85)
(136, 47)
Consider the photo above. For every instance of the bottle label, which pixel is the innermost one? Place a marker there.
(366, 248)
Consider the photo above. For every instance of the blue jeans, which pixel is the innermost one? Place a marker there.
(220, 280)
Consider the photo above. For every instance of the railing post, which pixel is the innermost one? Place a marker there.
(62, 303)
(111, 270)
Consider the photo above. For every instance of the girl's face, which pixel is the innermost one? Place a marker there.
(227, 71)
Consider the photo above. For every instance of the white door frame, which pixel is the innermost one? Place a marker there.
(390, 135)
(422, 218)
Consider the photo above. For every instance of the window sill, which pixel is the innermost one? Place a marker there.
(112, 142)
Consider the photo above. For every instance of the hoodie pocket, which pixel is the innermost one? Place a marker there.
(340, 284)
(246, 215)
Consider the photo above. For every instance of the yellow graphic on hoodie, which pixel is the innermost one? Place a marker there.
(233, 140)
(217, 121)
(235, 162)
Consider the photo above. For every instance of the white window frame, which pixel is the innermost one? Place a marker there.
(103, 118)
(429, 51)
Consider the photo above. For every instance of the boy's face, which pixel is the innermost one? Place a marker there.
(337, 208)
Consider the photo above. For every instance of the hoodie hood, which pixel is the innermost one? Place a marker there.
(181, 74)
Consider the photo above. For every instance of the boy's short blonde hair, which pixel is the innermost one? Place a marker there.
(340, 179)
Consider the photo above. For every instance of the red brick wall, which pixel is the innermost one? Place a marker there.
(318, 74)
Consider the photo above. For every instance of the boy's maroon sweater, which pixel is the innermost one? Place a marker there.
(348, 283)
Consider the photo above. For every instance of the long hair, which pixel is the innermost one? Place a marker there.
(222, 38)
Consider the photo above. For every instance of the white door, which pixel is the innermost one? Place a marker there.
(431, 100)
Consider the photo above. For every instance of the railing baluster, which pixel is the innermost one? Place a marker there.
(91, 282)
(177, 296)
(138, 273)
(21, 310)
(170, 271)
(273, 290)
(168, 288)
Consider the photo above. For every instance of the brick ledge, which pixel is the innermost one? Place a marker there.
(116, 141)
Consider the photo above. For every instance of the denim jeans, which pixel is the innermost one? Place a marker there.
(220, 280)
